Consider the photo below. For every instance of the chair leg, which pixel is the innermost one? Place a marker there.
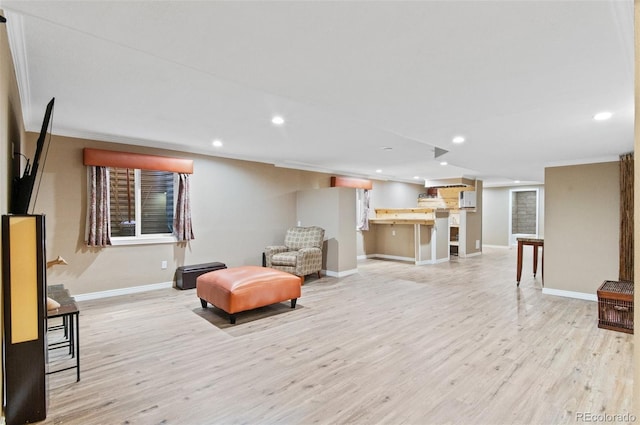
(319, 275)
(301, 280)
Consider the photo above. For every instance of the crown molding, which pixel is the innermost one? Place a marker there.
(15, 32)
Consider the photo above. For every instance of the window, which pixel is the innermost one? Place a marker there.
(524, 205)
(141, 202)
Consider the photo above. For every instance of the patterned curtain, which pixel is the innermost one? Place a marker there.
(363, 220)
(182, 219)
(98, 210)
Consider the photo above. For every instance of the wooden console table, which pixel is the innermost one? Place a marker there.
(535, 243)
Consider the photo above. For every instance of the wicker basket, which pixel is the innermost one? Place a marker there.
(615, 306)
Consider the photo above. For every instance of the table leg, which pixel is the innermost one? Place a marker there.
(72, 338)
(77, 346)
(542, 247)
(535, 260)
(519, 267)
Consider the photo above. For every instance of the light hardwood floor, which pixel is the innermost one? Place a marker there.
(454, 343)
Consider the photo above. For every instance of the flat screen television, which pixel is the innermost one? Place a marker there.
(22, 187)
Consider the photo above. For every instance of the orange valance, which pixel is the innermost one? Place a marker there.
(105, 158)
(351, 182)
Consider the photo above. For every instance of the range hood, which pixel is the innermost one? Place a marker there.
(450, 182)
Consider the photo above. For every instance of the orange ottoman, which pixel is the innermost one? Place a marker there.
(244, 288)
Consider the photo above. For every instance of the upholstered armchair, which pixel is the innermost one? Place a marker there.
(301, 253)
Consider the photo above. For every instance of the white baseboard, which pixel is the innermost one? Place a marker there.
(392, 257)
(340, 274)
(407, 259)
(570, 294)
(496, 246)
(473, 254)
(441, 260)
(427, 262)
(122, 291)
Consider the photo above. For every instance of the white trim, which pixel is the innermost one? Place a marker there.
(473, 254)
(438, 261)
(340, 274)
(123, 291)
(570, 294)
(496, 246)
(514, 236)
(407, 259)
(605, 158)
(434, 241)
(18, 47)
(392, 257)
(142, 240)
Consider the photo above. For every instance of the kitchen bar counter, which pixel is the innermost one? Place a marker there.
(410, 234)
(424, 222)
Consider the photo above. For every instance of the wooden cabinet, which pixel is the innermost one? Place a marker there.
(24, 282)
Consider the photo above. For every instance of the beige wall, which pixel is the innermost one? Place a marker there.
(581, 227)
(333, 209)
(495, 220)
(495, 213)
(473, 222)
(238, 208)
(346, 211)
(387, 194)
(398, 240)
(442, 235)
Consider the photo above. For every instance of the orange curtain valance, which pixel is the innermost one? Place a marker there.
(351, 182)
(104, 158)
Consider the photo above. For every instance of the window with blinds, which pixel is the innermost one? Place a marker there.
(141, 202)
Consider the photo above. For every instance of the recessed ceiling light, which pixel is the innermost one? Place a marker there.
(601, 116)
(444, 163)
(416, 177)
(386, 148)
(516, 181)
(217, 143)
(277, 120)
(378, 170)
(458, 139)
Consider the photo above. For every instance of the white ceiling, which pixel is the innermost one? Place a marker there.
(520, 80)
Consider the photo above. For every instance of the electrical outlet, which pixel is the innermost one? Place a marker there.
(477, 244)
(164, 265)
(299, 223)
(393, 233)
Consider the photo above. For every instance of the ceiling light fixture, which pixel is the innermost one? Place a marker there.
(378, 170)
(416, 177)
(458, 139)
(277, 120)
(602, 116)
(516, 181)
(217, 143)
(444, 163)
(386, 148)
